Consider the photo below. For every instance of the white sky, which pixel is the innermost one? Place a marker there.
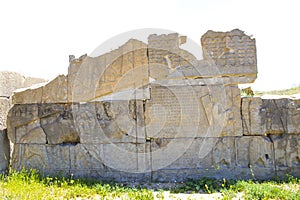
(36, 37)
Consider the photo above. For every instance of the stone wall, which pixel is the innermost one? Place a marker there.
(153, 112)
(9, 82)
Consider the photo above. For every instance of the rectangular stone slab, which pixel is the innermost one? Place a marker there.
(193, 111)
(110, 121)
(287, 154)
(226, 157)
(49, 159)
(232, 53)
(270, 116)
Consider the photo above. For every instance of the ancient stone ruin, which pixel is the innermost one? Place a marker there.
(153, 112)
(9, 82)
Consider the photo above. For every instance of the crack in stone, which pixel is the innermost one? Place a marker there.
(280, 116)
(42, 127)
(274, 154)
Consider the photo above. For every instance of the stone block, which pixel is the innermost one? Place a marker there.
(110, 121)
(293, 116)
(232, 53)
(49, 159)
(56, 91)
(121, 162)
(193, 111)
(53, 92)
(270, 116)
(59, 129)
(57, 122)
(126, 69)
(28, 96)
(4, 151)
(81, 88)
(73, 68)
(86, 157)
(127, 157)
(42, 124)
(255, 156)
(165, 56)
(30, 133)
(20, 115)
(199, 153)
(223, 157)
(121, 69)
(287, 154)
(4, 108)
(251, 108)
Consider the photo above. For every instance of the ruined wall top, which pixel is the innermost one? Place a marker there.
(10, 81)
(229, 59)
(233, 52)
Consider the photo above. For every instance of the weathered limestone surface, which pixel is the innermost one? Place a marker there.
(287, 154)
(235, 157)
(271, 116)
(193, 111)
(42, 124)
(110, 121)
(95, 122)
(4, 108)
(10, 81)
(233, 53)
(153, 112)
(54, 91)
(132, 65)
(165, 56)
(4, 151)
(123, 68)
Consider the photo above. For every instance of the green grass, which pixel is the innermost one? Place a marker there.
(264, 190)
(288, 189)
(291, 91)
(28, 184)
